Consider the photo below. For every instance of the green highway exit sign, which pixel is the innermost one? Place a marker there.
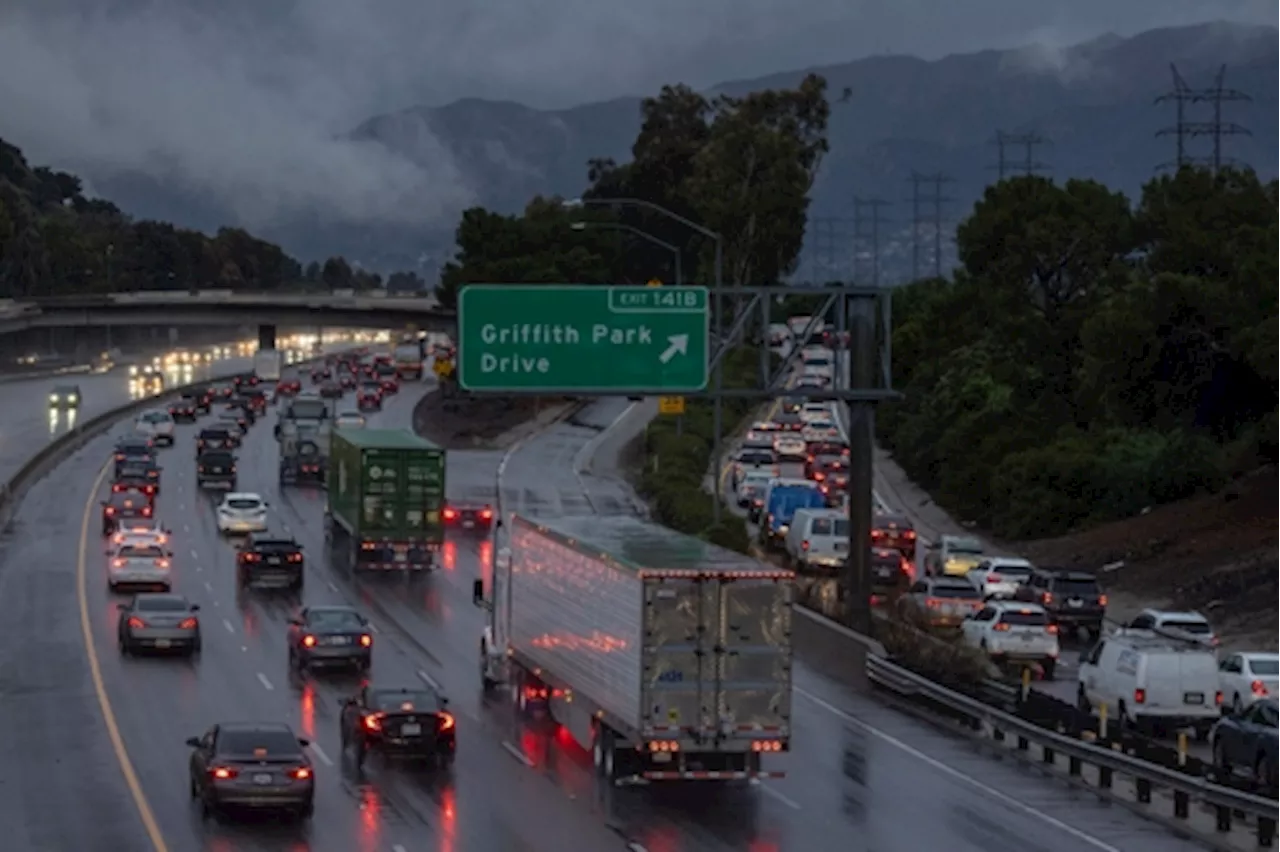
(568, 338)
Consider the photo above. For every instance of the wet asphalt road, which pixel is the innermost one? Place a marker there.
(515, 788)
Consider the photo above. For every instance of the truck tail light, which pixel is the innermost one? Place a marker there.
(804, 545)
(1139, 696)
(450, 514)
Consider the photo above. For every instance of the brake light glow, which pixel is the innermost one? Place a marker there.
(118, 563)
(1001, 627)
(224, 773)
(909, 534)
(1051, 629)
(1258, 688)
(366, 640)
(804, 545)
(450, 514)
(309, 641)
(664, 745)
(1139, 696)
(1047, 597)
(1102, 600)
(162, 563)
(146, 511)
(766, 745)
(188, 624)
(486, 513)
(302, 773)
(994, 578)
(111, 510)
(373, 722)
(136, 623)
(295, 557)
(446, 721)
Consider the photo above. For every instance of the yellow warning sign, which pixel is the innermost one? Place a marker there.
(671, 405)
(654, 282)
(443, 368)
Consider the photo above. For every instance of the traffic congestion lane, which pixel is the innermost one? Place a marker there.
(246, 659)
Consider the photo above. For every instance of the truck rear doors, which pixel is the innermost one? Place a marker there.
(718, 659)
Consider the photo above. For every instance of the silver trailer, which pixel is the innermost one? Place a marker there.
(303, 431)
(667, 657)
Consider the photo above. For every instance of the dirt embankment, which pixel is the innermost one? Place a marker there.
(477, 422)
(1216, 553)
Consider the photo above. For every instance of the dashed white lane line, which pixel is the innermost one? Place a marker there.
(263, 680)
(195, 554)
(958, 775)
(227, 624)
(332, 587)
(319, 752)
(186, 528)
(786, 800)
(397, 848)
(429, 680)
(517, 753)
(208, 586)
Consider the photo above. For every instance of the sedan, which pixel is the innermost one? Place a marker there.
(139, 565)
(330, 636)
(259, 766)
(350, 420)
(242, 512)
(1246, 677)
(158, 621)
(1247, 740)
(400, 722)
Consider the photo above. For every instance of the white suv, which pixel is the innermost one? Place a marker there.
(1010, 630)
(156, 424)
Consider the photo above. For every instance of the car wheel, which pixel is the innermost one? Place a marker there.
(123, 644)
(1049, 667)
(1220, 760)
(194, 788)
(1082, 702)
(307, 810)
(362, 751)
(197, 646)
(1235, 705)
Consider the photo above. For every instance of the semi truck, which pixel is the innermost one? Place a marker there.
(668, 658)
(303, 431)
(385, 499)
(407, 358)
(267, 364)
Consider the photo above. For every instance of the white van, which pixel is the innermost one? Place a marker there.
(1148, 680)
(818, 539)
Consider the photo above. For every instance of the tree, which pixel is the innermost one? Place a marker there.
(336, 274)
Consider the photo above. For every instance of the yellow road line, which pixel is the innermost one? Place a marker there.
(95, 670)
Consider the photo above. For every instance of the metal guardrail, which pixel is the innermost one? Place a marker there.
(1226, 803)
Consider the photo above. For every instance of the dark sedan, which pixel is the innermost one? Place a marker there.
(330, 636)
(406, 722)
(159, 622)
(252, 766)
(1247, 741)
(124, 506)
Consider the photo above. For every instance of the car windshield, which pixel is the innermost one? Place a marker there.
(244, 503)
(1266, 668)
(140, 552)
(1011, 570)
(396, 699)
(830, 526)
(156, 417)
(965, 547)
(276, 743)
(309, 409)
(214, 435)
(1188, 625)
(161, 605)
(1024, 618)
(957, 591)
(333, 619)
(756, 457)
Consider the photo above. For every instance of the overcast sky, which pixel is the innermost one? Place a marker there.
(243, 98)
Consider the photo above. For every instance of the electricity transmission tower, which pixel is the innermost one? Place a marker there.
(1028, 165)
(918, 218)
(1184, 129)
(866, 236)
(827, 247)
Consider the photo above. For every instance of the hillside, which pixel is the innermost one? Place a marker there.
(1095, 101)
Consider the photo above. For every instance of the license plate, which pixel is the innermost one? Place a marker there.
(468, 524)
(337, 640)
(263, 778)
(162, 643)
(1193, 698)
(1026, 637)
(274, 560)
(410, 730)
(216, 470)
(1075, 603)
(402, 557)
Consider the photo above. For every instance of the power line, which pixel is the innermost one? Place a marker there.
(1183, 129)
(1028, 165)
(828, 245)
(918, 220)
(863, 239)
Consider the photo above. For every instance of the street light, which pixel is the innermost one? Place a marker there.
(718, 274)
(644, 235)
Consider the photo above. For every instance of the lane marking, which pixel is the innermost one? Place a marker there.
(517, 754)
(319, 752)
(266, 683)
(957, 775)
(99, 686)
(333, 588)
(430, 681)
(786, 800)
(227, 624)
(195, 554)
(397, 848)
(208, 585)
(186, 528)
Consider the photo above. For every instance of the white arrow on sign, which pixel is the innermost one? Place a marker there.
(679, 346)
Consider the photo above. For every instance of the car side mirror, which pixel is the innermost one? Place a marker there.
(477, 592)
(303, 742)
(194, 742)
(296, 622)
(195, 607)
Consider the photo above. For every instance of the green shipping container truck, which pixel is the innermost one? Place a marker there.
(386, 493)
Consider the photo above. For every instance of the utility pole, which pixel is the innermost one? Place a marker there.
(862, 238)
(936, 180)
(1184, 129)
(1029, 165)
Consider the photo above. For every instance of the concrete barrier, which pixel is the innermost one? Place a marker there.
(831, 649)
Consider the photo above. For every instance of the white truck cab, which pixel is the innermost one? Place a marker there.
(1151, 680)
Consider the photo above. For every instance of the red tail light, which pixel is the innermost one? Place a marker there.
(223, 773)
(162, 563)
(909, 534)
(118, 563)
(302, 773)
(450, 514)
(111, 510)
(1102, 600)
(994, 578)
(188, 624)
(877, 533)
(1051, 629)
(818, 476)
(366, 640)
(146, 511)
(249, 557)
(877, 600)
(1139, 696)
(446, 721)
(1217, 698)
(804, 545)
(486, 514)
(1258, 688)
(933, 603)
(373, 722)
(309, 641)
(295, 557)
(1047, 597)
(136, 623)
(1002, 627)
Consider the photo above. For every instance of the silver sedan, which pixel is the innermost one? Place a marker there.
(159, 622)
(139, 564)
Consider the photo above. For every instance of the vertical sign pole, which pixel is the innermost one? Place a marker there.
(862, 417)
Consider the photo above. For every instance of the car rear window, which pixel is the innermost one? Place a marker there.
(141, 553)
(395, 699)
(1011, 570)
(275, 544)
(830, 526)
(1030, 618)
(1199, 628)
(215, 434)
(161, 605)
(957, 592)
(276, 743)
(157, 417)
(756, 457)
(335, 618)
(217, 458)
(244, 503)
(1264, 667)
(1070, 587)
(309, 409)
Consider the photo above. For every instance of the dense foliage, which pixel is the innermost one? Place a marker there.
(741, 167)
(54, 240)
(1091, 358)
